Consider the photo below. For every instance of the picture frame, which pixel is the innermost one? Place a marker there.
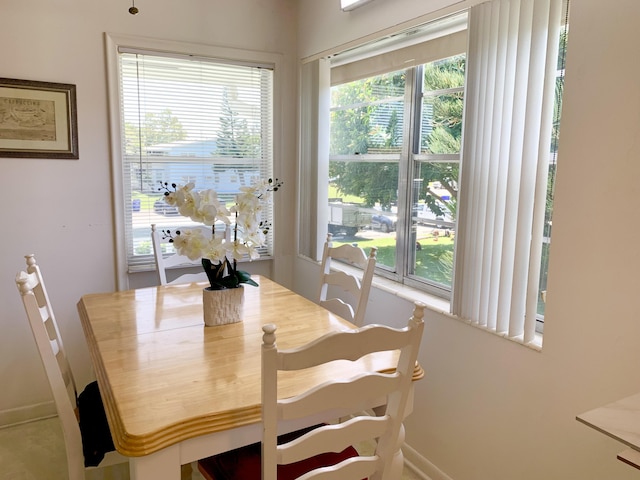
(38, 119)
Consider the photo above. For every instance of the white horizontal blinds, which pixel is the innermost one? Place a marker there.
(189, 120)
(511, 67)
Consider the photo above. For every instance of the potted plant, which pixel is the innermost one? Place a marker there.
(220, 253)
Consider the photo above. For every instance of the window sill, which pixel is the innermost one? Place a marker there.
(150, 266)
(410, 294)
(433, 303)
(436, 304)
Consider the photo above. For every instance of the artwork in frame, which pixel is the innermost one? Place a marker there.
(38, 119)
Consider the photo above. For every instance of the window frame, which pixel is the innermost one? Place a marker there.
(114, 43)
(406, 158)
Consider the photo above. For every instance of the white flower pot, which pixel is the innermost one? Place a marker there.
(221, 307)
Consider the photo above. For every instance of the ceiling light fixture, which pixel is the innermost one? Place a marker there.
(133, 10)
(347, 5)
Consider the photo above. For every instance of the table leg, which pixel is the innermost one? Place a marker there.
(161, 465)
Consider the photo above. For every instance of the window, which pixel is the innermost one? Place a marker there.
(186, 118)
(395, 141)
(466, 217)
(375, 134)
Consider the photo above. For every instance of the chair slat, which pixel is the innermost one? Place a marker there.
(346, 282)
(339, 307)
(340, 394)
(356, 468)
(339, 436)
(175, 260)
(343, 345)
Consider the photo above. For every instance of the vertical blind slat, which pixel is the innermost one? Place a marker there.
(490, 118)
(550, 65)
(467, 196)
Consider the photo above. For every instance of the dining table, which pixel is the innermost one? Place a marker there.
(175, 390)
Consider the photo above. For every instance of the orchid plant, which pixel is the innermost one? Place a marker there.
(220, 253)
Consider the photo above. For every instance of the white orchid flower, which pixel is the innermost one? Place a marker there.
(238, 250)
(206, 207)
(253, 252)
(216, 250)
(190, 243)
(256, 238)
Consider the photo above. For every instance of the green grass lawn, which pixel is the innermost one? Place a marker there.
(333, 193)
(434, 260)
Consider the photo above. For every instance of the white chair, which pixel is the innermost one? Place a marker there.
(163, 263)
(326, 451)
(49, 342)
(353, 290)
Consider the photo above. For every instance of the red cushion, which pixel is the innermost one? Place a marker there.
(245, 463)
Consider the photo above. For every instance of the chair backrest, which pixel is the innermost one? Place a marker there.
(354, 291)
(49, 342)
(364, 390)
(163, 263)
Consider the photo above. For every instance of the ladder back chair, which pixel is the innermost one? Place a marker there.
(327, 451)
(164, 263)
(338, 283)
(52, 353)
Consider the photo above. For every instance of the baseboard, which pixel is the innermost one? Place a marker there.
(16, 416)
(422, 467)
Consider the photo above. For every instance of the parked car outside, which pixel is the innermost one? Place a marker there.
(423, 215)
(384, 223)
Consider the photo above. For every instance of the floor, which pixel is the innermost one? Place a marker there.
(35, 451)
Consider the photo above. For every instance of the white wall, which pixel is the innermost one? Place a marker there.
(490, 409)
(61, 209)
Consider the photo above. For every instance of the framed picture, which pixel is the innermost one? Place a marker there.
(38, 119)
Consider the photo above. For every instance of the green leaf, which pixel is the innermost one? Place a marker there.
(208, 269)
(229, 282)
(219, 270)
(245, 277)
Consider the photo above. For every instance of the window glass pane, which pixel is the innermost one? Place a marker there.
(367, 115)
(367, 121)
(435, 171)
(442, 104)
(433, 225)
(555, 136)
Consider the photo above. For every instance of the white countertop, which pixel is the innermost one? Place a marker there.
(619, 420)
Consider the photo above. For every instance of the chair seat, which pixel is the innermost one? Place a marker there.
(245, 463)
(96, 436)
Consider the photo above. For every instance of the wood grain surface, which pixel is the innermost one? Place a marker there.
(165, 377)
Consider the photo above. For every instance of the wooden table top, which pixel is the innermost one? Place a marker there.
(165, 377)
